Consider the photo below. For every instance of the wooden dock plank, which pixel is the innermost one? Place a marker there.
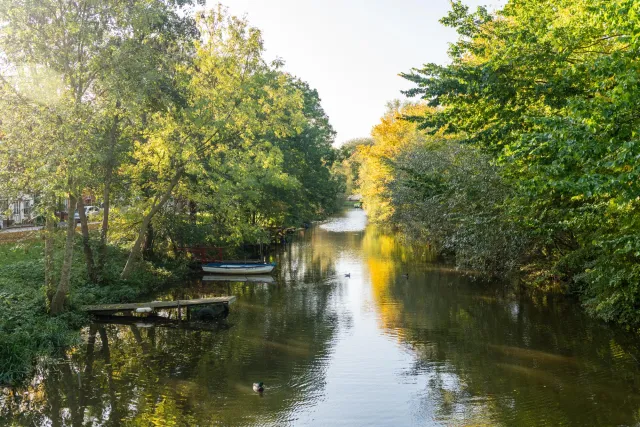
(158, 304)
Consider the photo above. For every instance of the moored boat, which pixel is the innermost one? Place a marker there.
(238, 268)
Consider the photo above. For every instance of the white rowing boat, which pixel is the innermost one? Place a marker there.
(238, 268)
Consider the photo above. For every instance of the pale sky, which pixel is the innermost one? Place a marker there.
(351, 51)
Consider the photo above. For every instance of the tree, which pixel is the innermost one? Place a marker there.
(390, 137)
(348, 163)
(232, 95)
(452, 196)
(547, 88)
(308, 157)
(140, 78)
(70, 44)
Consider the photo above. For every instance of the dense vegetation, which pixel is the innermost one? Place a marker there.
(522, 156)
(28, 332)
(172, 120)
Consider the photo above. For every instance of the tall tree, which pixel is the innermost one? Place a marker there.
(309, 157)
(71, 43)
(390, 137)
(232, 95)
(548, 88)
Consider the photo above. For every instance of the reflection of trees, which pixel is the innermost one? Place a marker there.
(501, 359)
(314, 258)
(127, 374)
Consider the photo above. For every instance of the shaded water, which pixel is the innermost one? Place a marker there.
(376, 348)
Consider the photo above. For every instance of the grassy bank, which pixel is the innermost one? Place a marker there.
(28, 334)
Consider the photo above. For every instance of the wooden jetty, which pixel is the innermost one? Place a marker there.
(155, 305)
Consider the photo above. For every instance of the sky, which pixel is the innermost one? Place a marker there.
(352, 51)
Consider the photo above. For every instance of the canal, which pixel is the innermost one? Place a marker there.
(401, 341)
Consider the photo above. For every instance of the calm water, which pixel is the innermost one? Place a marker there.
(373, 349)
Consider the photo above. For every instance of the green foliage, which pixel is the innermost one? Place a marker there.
(308, 158)
(348, 163)
(235, 196)
(174, 121)
(172, 118)
(28, 333)
(548, 90)
(453, 197)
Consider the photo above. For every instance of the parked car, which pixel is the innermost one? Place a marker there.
(89, 211)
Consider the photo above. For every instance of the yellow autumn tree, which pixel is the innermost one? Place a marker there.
(390, 136)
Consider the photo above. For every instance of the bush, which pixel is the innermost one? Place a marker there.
(28, 334)
(452, 196)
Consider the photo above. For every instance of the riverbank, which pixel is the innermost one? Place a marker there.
(28, 334)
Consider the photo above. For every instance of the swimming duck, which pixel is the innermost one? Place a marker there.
(405, 275)
(258, 387)
(347, 275)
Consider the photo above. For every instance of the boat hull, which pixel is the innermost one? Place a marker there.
(242, 269)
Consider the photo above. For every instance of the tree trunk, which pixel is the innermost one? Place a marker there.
(135, 253)
(53, 391)
(193, 211)
(178, 209)
(138, 337)
(48, 254)
(88, 252)
(57, 303)
(106, 194)
(104, 230)
(72, 386)
(148, 242)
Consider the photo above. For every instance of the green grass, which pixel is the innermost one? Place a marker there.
(28, 335)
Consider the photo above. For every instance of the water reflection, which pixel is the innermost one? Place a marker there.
(402, 341)
(276, 333)
(491, 357)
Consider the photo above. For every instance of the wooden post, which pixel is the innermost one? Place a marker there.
(179, 311)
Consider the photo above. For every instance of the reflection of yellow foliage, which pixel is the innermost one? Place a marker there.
(463, 317)
(385, 256)
(384, 246)
(382, 271)
(324, 252)
(383, 253)
(620, 356)
(165, 413)
(387, 245)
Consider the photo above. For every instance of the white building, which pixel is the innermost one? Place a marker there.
(16, 211)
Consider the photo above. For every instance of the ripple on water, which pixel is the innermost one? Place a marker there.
(353, 221)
